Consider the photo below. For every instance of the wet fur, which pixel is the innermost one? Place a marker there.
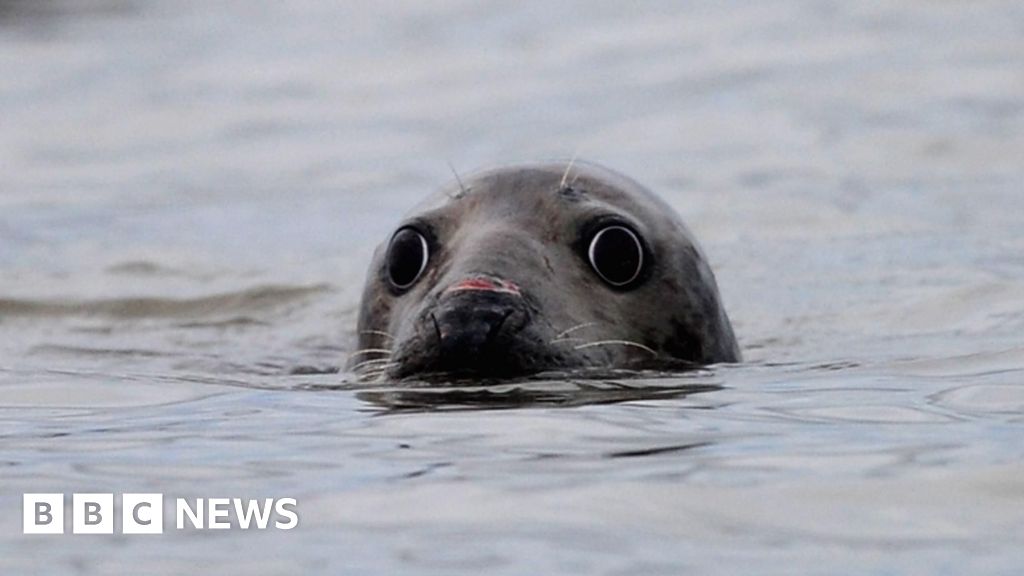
(525, 224)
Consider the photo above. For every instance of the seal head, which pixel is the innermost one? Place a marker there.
(534, 268)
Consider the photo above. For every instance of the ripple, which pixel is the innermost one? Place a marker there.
(867, 414)
(63, 389)
(236, 302)
(984, 398)
(975, 364)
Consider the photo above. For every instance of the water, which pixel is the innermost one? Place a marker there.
(190, 192)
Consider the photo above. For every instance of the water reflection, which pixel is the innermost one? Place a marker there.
(582, 388)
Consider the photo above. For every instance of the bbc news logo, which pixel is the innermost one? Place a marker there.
(144, 513)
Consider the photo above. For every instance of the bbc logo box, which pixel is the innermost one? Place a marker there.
(93, 513)
(43, 514)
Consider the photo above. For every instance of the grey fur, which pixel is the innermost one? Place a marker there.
(523, 224)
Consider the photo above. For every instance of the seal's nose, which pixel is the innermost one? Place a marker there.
(474, 321)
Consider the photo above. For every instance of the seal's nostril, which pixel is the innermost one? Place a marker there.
(437, 328)
(497, 327)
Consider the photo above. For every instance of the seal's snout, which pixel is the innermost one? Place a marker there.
(474, 323)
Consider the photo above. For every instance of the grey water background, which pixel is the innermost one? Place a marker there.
(190, 191)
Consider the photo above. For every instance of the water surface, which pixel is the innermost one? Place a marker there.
(189, 194)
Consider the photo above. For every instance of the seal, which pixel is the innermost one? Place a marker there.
(537, 268)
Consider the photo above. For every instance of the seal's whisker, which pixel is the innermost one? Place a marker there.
(564, 333)
(365, 351)
(378, 333)
(381, 361)
(575, 176)
(616, 343)
(568, 169)
(373, 374)
(462, 187)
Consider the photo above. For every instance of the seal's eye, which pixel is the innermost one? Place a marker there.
(616, 255)
(408, 255)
